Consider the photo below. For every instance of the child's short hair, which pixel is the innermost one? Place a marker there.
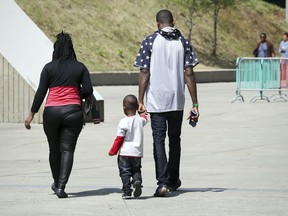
(130, 102)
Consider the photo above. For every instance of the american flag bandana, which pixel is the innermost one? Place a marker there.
(146, 48)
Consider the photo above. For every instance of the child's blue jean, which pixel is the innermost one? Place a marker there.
(129, 171)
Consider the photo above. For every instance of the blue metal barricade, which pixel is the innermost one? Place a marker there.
(260, 74)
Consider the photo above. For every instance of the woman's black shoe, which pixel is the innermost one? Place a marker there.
(54, 187)
(61, 193)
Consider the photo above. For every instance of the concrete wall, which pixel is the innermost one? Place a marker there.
(131, 78)
(16, 95)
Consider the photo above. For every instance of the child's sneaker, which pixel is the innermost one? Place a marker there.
(138, 190)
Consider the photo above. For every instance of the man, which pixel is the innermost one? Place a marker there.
(264, 48)
(283, 47)
(166, 60)
(283, 50)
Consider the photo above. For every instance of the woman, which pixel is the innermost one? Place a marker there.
(68, 82)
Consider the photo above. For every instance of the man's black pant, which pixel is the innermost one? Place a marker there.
(62, 126)
(167, 172)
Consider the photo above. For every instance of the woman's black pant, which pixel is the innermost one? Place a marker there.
(62, 126)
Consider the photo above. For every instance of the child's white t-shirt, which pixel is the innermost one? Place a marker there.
(132, 129)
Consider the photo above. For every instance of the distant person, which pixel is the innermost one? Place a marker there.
(166, 60)
(129, 146)
(68, 81)
(283, 50)
(283, 47)
(264, 48)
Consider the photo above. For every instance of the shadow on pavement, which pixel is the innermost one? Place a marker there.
(107, 191)
(194, 190)
(99, 192)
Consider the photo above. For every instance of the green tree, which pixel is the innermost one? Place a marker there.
(197, 6)
(217, 5)
(193, 7)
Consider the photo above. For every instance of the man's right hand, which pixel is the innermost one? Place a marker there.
(141, 108)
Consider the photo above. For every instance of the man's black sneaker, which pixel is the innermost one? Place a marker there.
(138, 190)
(161, 191)
(175, 186)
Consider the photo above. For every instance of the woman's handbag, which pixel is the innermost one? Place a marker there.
(87, 106)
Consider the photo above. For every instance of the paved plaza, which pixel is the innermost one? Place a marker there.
(233, 163)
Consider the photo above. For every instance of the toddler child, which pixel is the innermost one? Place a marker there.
(129, 146)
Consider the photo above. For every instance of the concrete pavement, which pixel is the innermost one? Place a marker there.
(233, 163)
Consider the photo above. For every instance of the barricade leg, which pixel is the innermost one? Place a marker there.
(279, 96)
(238, 97)
(260, 97)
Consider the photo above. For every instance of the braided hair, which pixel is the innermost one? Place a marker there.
(63, 48)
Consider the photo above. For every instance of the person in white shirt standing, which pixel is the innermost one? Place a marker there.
(283, 47)
(166, 60)
(283, 50)
(129, 146)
